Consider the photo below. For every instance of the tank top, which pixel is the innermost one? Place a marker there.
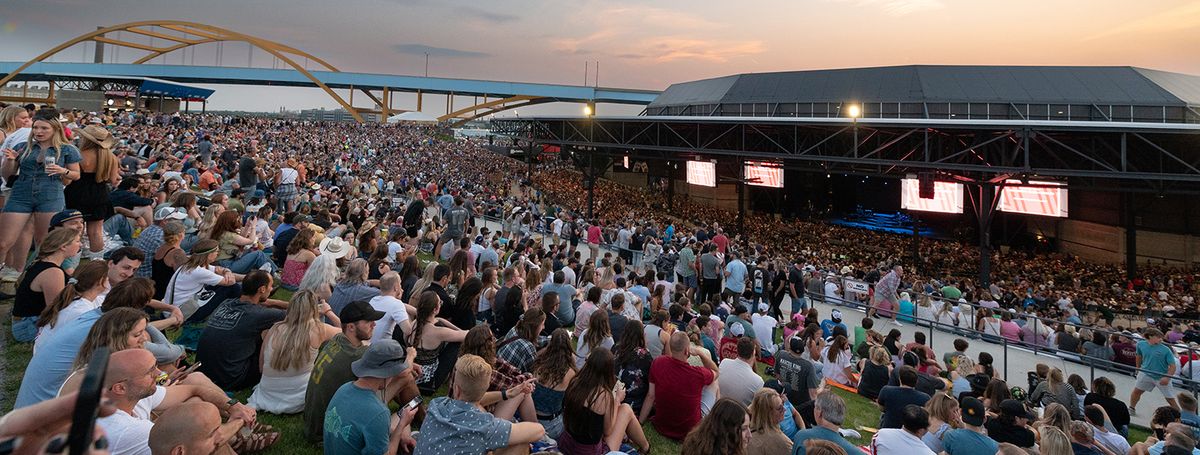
(30, 303)
(548, 402)
(586, 427)
(653, 342)
(161, 273)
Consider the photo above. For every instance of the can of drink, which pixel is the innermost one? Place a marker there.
(50, 160)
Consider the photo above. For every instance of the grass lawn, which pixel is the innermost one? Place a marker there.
(860, 411)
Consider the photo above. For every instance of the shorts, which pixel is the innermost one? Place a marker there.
(1145, 383)
(25, 330)
(36, 195)
(448, 237)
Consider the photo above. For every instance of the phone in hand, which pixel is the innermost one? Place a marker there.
(416, 401)
(87, 405)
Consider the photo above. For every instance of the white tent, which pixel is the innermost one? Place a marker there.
(412, 116)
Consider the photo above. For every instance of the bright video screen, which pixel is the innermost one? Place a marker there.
(1044, 199)
(947, 197)
(764, 174)
(703, 173)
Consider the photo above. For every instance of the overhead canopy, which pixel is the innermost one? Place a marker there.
(147, 86)
(412, 116)
(904, 91)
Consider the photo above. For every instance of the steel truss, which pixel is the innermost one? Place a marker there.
(1106, 157)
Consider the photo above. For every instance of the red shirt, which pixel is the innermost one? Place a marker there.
(722, 242)
(594, 235)
(677, 395)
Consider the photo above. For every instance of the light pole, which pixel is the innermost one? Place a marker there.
(854, 111)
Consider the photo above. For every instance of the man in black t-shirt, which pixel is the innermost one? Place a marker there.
(893, 399)
(795, 284)
(230, 344)
(1011, 427)
(798, 375)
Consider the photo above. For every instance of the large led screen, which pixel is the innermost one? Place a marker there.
(1034, 198)
(703, 173)
(947, 197)
(764, 174)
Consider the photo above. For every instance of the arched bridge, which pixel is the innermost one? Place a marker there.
(378, 88)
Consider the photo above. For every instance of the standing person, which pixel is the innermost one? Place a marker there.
(594, 237)
(286, 182)
(676, 388)
(795, 287)
(710, 268)
(89, 194)
(886, 294)
(457, 218)
(971, 439)
(735, 277)
(1157, 362)
(46, 165)
(357, 421)
(686, 267)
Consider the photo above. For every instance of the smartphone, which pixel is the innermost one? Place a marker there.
(416, 401)
(87, 405)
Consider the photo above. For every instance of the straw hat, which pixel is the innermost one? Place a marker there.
(98, 135)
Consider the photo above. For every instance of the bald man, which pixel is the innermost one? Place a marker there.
(192, 428)
(131, 386)
(677, 405)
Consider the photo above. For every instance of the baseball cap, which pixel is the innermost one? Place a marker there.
(169, 213)
(359, 310)
(795, 344)
(383, 359)
(762, 308)
(836, 315)
(301, 219)
(973, 412)
(1014, 408)
(64, 216)
(142, 171)
(737, 330)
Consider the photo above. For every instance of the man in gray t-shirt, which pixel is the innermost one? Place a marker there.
(710, 272)
(456, 223)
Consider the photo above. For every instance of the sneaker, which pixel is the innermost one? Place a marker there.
(898, 324)
(93, 255)
(9, 274)
(1132, 411)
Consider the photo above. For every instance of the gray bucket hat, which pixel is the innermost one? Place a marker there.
(383, 359)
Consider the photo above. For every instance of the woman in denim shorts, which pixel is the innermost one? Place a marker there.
(38, 192)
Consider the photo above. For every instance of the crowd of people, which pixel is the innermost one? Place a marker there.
(142, 225)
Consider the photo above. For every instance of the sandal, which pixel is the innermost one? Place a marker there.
(255, 443)
(260, 428)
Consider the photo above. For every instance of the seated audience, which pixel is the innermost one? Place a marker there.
(288, 350)
(231, 344)
(675, 388)
(357, 421)
(457, 424)
(725, 430)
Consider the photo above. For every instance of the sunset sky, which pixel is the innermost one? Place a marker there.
(638, 44)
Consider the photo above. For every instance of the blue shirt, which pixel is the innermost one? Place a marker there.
(641, 291)
(828, 325)
(356, 422)
(961, 441)
(1156, 359)
(822, 433)
(788, 425)
(457, 427)
(52, 363)
(736, 281)
(30, 167)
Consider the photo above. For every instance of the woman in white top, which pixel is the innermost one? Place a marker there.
(80, 296)
(989, 325)
(597, 335)
(288, 351)
(836, 362)
(197, 273)
(286, 182)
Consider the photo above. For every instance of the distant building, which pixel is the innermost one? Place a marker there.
(333, 115)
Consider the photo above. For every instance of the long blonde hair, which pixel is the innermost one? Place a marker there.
(56, 240)
(941, 406)
(8, 118)
(425, 280)
(57, 140)
(105, 160)
(290, 340)
(761, 411)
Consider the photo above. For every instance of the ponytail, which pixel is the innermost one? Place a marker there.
(87, 276)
